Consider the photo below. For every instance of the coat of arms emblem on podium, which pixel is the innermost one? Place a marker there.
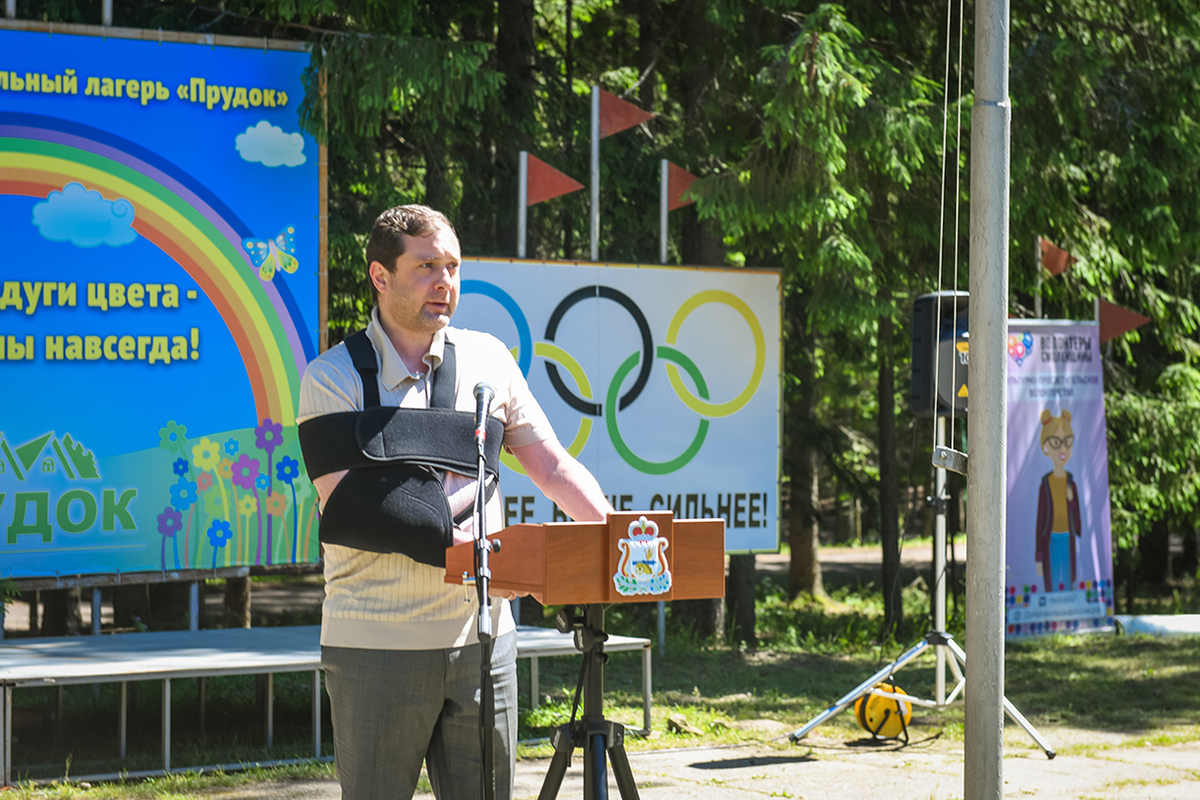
(643, 568)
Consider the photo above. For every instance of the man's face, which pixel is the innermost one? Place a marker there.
(421, 293)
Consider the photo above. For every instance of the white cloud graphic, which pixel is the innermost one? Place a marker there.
(270, 146)
(84, 218)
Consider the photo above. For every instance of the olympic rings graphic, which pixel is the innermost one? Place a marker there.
(610, 417)
(524, 337)
(584, 432)
(582, 397)
(639, 318)
(701, 406)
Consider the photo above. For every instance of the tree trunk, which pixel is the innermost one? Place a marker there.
(169, 605)
(131, 606)
(701, 243)
(61, 613)
(515, 50)
(740, 588)
(567, 130)
(705, 618)
(647, 51)
(889, 483)
(237, 603)
(804, 570)
(476, 223)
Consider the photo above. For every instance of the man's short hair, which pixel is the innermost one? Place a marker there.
(387, 243)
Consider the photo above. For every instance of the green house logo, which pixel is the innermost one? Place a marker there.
(48, 454)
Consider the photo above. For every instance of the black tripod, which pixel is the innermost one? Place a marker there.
(943, 643)
(600, 739)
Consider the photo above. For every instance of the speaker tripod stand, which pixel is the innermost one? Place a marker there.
(943, 643)
(600, 739)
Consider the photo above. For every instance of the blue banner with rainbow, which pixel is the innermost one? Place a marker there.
(158, 305)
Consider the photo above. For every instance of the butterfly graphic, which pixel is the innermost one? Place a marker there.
(278, 252)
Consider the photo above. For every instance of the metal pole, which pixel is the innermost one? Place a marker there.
(522, 201)
(194, 606)
(662, 213)
(983, 776)
(939, 565)
(316, 712)
(166, 724)
(97, 608)
(595, 211)
(106, 13)
(10, 9)
(123, 718)
(6, 726)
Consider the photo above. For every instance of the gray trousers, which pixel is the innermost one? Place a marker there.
(393, 709)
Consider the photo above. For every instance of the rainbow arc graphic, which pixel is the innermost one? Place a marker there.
(188, 223)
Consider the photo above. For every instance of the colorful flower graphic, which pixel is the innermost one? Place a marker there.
(183, 494)
(244, 472)
(173, 438)
(206, 454)
(247, 505)
(262, 483)
(169, 522)
(203, 482)
(287, 470)
(231, 447)
(219, 532)
(214, 504)
(180, 467)
(268, 436)
(225, 469)
(276, 504)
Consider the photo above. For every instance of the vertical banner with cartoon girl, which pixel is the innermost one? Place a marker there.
(1059, 545)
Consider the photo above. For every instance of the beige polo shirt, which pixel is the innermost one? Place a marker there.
(387, 600)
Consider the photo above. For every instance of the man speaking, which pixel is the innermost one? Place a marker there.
(394, 466)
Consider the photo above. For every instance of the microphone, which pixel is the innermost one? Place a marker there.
(484, 393)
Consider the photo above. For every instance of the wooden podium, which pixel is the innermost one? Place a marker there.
(632, 557)
(620, 560)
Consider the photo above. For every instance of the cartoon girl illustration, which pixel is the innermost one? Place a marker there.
(1058, 521)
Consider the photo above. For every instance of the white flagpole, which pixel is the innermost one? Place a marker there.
(595, 173)
(522, 201)
(662, 213)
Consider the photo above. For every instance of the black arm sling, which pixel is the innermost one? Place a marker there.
(392, 500)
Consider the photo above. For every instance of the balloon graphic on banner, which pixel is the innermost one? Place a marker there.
(1019, 347)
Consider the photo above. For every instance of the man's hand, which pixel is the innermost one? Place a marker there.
(509, 594)
(325, 484)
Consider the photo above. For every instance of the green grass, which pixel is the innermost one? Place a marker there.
(811, 652)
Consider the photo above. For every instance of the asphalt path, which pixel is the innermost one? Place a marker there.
(819, 768)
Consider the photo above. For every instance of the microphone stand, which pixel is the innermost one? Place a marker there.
(483, 575)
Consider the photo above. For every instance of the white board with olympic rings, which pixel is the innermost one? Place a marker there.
(663, 381)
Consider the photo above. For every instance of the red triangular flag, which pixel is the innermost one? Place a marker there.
(616, 115)
(1054, 258)
(678, 182)
(1115, 320)
(546, 183)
